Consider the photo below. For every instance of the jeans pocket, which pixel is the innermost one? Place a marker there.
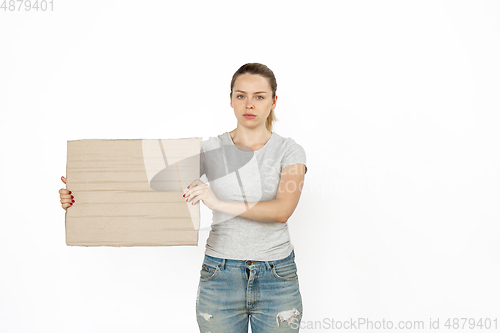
(285, 271)
(208, 272)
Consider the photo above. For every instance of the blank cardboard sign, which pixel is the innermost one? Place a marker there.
(129, 192)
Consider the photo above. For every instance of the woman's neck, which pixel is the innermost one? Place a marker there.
(250, 137)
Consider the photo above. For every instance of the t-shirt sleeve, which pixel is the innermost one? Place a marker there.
(294, 154)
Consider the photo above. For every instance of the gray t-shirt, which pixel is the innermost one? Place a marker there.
(238, 175)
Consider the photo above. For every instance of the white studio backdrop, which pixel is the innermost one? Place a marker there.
(395, 102)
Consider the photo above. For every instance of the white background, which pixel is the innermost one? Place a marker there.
(395, 102)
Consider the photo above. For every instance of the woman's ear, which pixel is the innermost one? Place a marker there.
(275, 100)
(231, 99)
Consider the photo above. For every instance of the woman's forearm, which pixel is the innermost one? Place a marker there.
(262, 211)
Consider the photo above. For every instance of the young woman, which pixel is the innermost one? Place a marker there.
(249, 271)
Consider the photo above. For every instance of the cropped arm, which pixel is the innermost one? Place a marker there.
(262, 211)
(275, 210)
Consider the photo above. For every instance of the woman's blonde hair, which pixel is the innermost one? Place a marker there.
(263, 70)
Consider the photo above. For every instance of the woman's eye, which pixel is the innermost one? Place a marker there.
(239, 96)
(260, 97)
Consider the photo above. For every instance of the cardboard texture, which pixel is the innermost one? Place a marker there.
(129, 192)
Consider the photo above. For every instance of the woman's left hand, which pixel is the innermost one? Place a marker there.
(197, 191)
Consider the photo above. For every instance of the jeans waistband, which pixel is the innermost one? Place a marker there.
(231, 262)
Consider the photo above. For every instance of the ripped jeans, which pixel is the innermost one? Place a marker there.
(232, 292)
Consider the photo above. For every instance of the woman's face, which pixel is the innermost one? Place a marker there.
(252, 95)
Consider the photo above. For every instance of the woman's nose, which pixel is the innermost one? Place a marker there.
(249, 103)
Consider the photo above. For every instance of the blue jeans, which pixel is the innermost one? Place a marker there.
(232, 292)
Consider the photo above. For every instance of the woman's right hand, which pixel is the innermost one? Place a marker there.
(66, 198)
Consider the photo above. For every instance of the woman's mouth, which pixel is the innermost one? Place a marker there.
(249, 116)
